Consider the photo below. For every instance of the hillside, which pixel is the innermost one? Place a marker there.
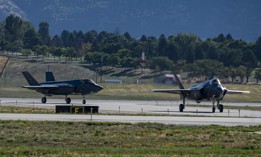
(3, 62)
(71, 70)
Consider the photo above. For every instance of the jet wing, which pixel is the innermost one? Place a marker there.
(41, 87)
(236, 92)
(47, 86)
(173, 91)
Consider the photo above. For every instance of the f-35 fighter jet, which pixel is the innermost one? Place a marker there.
(52, 87)
(208, 90)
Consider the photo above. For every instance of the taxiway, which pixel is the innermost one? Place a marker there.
(191, 116)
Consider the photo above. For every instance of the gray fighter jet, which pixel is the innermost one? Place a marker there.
(52, 87)
(209, 90)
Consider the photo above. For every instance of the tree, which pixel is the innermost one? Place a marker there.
(150, 47)
(209, 67)
(86, 47)
(257, 74)
(143, 38)
(37, 50)
(199, 53)
(163, 45)
(16, 45)
(69, 53)
(56, 41)
(2, 36)
(186, 45)
(13, 32)
(220, 38)
(26, 52)
(257, 49)
(241, 72)
(124, 53)
(59, 52)
(233, 73)
(211, 50)
(172, 50)
(161, 63)
(65, 38)
(231, 57)
(90, 36)
(127, 36)
(250, 62)
(94, 57)
(229, 37)
(128, 62)
(30, 39)
(113, 60)
(44, 33)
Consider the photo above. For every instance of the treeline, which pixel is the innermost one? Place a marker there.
(222, 55)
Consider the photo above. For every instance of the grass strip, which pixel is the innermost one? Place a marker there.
(41, 138)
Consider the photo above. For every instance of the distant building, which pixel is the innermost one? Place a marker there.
(169, 79)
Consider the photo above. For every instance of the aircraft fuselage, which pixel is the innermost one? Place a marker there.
(206, 91)
(82, 87)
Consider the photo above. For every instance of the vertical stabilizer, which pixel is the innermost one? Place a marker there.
(31, 81)
(178, 81)
(49, 76)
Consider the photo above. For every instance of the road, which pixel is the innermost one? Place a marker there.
(229, 117)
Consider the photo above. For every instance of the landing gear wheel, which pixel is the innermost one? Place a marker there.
(213, 109)
(44, 100)
(68, 100)
(220, 107)
(83, 101)
(181, 107)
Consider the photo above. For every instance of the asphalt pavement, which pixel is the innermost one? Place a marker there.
(191, 116)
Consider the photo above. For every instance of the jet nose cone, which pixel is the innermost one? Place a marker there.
(220, 90)
(98, 88)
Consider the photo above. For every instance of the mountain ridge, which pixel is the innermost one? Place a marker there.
(145, 17)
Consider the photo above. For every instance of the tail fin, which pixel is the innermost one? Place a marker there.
(30, 78)
(178, 81)
(49, 76)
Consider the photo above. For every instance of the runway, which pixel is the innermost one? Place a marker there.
(191, 115)
(190, 121)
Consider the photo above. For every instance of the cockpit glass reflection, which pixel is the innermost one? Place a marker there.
(215, 82)
(88, 81)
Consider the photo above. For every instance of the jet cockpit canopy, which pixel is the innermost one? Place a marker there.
(215, 82)
(88, 81)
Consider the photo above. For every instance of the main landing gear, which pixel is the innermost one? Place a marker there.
(219, 106)
(44, 100)
(83, 100)
(182, 106)
(67, 100)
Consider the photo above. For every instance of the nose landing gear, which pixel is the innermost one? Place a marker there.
(68, 100)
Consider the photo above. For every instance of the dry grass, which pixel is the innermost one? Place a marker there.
(3, 60)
